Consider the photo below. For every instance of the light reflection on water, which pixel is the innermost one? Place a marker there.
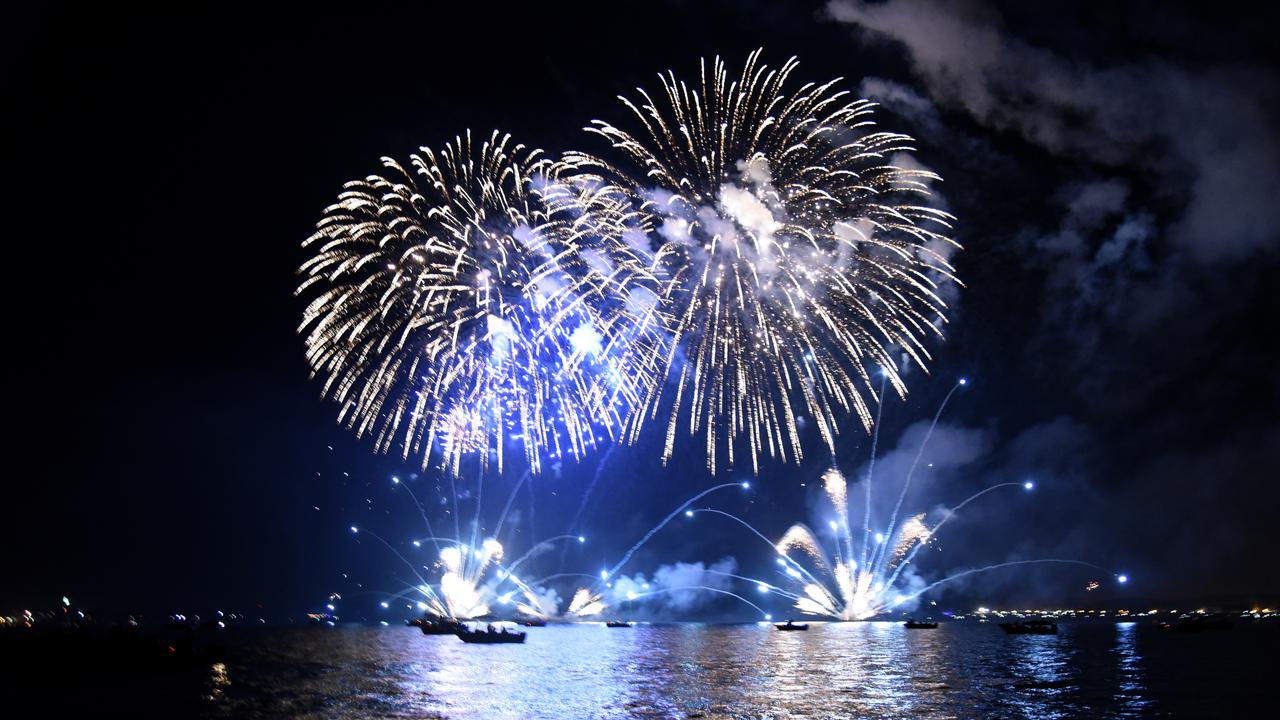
(859, 670)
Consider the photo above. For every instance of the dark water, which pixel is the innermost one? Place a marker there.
(846, 670)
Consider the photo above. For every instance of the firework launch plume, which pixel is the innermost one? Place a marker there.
(469, 579)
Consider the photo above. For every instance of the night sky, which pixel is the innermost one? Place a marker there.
(1115, 173)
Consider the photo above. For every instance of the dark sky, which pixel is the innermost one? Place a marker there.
(1114, 172)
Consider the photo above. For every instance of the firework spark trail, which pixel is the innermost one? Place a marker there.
(421, 511)
(798, 567)
(793, 256)
(878, 562)
(475, 521)
(412, 568)
(997, 566)
(533, 515)
(950, 513)
(586, 495)
(595, 479)
(614, 570)
(757, 582)
(871, 469)
(704, 588)
(539, 547)
(457, 515)
(515, 490)
(557, 576)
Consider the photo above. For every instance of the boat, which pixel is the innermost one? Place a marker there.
(490, 635)
(793, 626)
(618, 623)
(437, 626)
(914, 624)
(1030, 627)
(1197, 622)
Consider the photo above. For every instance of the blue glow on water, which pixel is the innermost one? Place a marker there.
(869, 670)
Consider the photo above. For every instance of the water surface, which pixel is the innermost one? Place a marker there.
(846, 670)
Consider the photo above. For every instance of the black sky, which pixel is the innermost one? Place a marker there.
(166, 448)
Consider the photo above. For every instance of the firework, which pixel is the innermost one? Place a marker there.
(846, 579)
(586, 603)
(795, 248)
(475, 297)
(471, 577)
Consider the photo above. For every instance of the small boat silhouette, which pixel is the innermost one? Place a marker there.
(1197, 622)
(1030, 627)
(437, 626)
(491, 635)
(789, 625)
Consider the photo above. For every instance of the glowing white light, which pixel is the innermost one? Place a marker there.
(762, 588)
(964, 381)
(1122, 579)
(417, 543)
(604, 574)
(353, 529)
(767, 616)
(422, 606)
(879, 537)
(586, 341)
(688, 513)
(746, 486)
(581, 539)
(632, 595)
(832, 523)
(330, 606)
(395, 479)
(384, 605)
